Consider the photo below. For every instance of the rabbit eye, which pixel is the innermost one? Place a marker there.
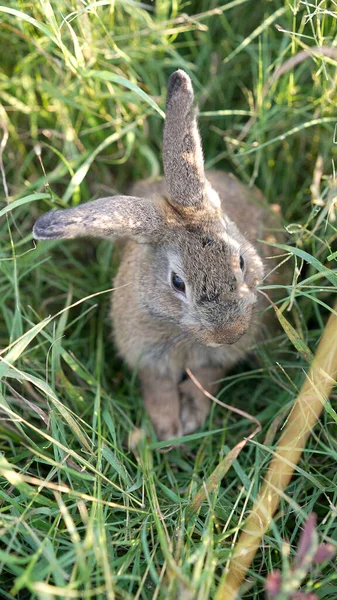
(242, 263)
(178, 283)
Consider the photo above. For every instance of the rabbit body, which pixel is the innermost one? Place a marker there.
(185, 294)
(151, 339)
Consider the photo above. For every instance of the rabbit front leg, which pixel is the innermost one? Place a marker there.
(194, 405)
(162, 402)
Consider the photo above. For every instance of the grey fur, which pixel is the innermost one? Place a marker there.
(114, 216)
(182, 151)
(180, 226)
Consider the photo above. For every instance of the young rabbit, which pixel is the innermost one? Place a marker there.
(185, 293)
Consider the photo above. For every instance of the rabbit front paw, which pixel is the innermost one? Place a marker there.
(161, 399)
(194, 406)
(168, 430)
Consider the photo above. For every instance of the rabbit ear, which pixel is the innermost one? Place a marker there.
(115, 216)
(182, 151)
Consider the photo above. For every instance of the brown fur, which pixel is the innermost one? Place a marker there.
(180, 225)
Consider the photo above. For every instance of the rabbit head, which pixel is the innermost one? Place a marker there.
(196, 270)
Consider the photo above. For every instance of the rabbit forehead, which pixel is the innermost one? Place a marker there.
(207, 261)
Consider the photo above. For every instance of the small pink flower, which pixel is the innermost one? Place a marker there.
(273, 584)
(307, 540)
(303, 596)
(324, 552)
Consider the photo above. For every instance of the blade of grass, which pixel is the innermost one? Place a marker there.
(22, 201)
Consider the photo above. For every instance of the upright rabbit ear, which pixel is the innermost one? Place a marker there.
(115, 216)
(182, 151)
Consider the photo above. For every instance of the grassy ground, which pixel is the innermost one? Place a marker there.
(82, 90)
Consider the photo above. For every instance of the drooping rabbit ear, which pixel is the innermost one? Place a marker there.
(182, 151)
(115, 216)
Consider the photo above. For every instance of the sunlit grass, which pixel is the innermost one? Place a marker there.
(90, 508)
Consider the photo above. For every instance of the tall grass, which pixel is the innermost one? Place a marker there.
(90, 507)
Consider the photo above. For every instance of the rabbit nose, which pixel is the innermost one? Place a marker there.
(230, 333)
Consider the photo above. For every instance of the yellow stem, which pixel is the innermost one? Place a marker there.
(307, 409)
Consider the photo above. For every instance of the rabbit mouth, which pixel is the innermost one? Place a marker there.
(214, 345)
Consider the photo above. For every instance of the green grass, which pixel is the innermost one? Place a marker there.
(84, 512)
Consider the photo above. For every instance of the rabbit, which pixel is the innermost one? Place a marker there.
(185, 295)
